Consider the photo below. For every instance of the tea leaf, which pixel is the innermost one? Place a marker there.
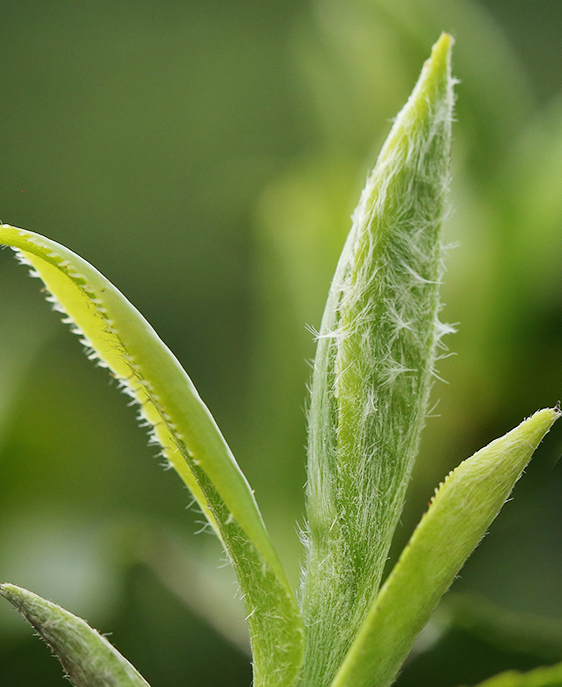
(457, 519)
(88, 658)
(120, 338)
(373, 370)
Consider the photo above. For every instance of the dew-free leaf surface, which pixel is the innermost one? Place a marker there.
(457, 519)
(88, 658)
(120, 338)
(373, 370)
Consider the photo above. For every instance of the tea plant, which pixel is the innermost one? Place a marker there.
(371, 382)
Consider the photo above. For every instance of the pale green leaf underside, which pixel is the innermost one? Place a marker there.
(123, 340)
(548, 676)
(457, 519)
(87, 657)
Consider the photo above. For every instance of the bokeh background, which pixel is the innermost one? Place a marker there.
(206, 155)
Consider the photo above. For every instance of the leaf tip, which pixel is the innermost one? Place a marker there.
(438, 65)
(10, 592)
(23, 601)
(443, 45)
(543, 420)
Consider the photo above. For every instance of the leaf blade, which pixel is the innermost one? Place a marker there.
(457, 519)
(373, 370)
(121, 338)
(87, 657)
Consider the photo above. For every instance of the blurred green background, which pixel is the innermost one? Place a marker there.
(206, 156)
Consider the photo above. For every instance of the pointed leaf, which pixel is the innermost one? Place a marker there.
(121, 339)
(373, 370)
(87, 657)
(457, 519)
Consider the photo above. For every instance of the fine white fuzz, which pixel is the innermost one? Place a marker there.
(373, 371)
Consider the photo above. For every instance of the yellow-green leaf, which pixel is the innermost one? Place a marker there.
(457, 519)
(120, 338)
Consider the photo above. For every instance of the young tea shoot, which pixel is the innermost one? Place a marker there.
(371, 382)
